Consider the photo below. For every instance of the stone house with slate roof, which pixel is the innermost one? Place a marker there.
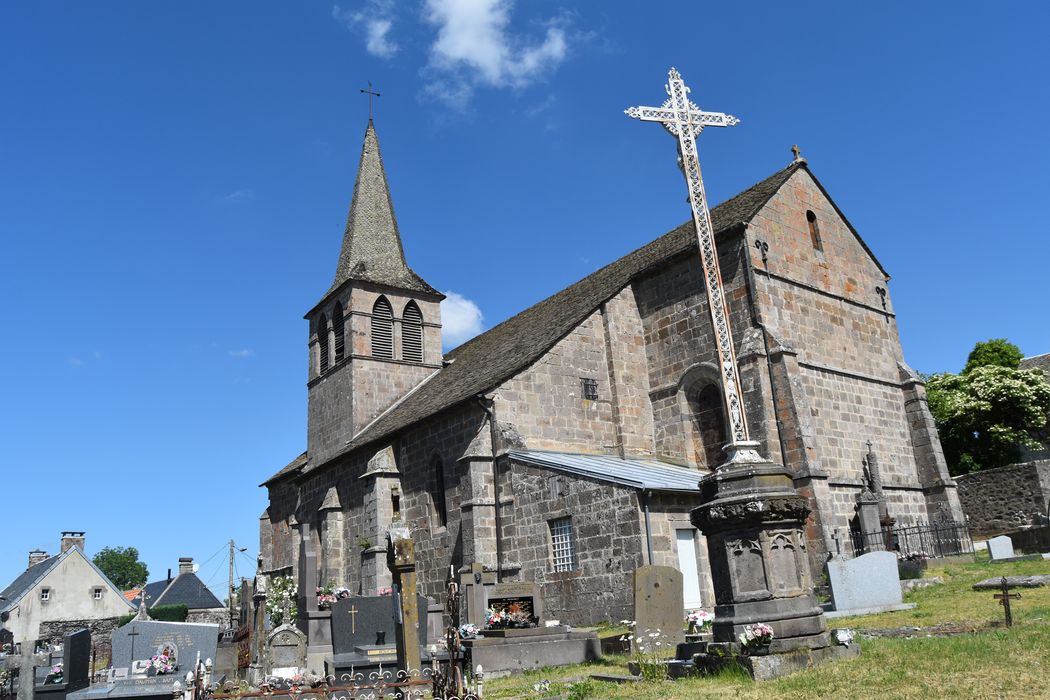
(64, 591)
(187, 589)
(564, 445)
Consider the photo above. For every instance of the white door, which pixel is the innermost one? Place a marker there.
(687, 565)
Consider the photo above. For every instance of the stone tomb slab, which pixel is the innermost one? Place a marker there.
(364, 633)
(868, 583)
(76, 662)
(138, 640)
(658, 603)
(1001, 547)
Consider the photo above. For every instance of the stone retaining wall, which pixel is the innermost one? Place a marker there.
(1007, 498)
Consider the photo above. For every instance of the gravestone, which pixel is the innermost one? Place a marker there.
(75, 658)
(658, 603)
(364, 632)
(285, 651)
(869, 583)
(139, 640)
(1001, 547)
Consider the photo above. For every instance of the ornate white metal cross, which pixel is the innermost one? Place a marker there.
(680, 116)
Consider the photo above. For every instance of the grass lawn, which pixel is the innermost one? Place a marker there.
(990, 661)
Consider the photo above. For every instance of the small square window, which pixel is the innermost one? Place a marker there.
(97, 594)
(45, 594)
(563, 549)
(589, 388)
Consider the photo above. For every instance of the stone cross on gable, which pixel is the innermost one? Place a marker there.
(684, 120)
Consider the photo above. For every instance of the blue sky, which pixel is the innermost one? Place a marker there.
(174, 180)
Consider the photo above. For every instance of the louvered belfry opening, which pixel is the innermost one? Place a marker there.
(338, 327)
(412, 334)
(382, 329)
(322, 343)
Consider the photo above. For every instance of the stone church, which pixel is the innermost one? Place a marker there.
(564, 446)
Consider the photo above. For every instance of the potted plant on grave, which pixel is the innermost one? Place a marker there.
(755, 639)
(162, 663)
(325, 597)
(700, 621)
(54, 675)
(513, 616)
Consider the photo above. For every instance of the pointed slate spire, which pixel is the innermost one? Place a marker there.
(372, 249)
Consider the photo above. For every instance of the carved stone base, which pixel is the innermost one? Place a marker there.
(754, 522)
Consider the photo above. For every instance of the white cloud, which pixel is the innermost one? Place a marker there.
(374, 20)
(240, 195)
(75, 361)
(475, 47)
(246, 352)
(461, 319)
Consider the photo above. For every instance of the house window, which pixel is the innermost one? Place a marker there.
(563, 549)
(382, 329)
(45, 594)
(96, 593)
(412, 334)
(814, 230)
(589, 388)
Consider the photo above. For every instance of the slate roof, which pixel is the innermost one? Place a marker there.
(184, 589)
(372, 250)
(1037, 362)
(649, 474)
(26, 580)
(484, 362)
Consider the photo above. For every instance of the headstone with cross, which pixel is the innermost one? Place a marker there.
(1004, 600)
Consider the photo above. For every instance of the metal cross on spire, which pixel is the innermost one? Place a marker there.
(684, 120)
(371, 93)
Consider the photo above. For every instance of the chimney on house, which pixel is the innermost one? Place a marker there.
(72, 539)
(185, 565)
(36, 556)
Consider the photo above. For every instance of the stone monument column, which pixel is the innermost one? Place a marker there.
(401, 559)
(312, 621)
(380, 482)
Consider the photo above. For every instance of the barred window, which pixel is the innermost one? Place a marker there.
(382, 329)
(412, 334)
(322, 343)
(563, 548)
(338, 325)
(589, 388)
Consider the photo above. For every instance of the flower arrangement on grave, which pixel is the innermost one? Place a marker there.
(914, 555)
(843, 636)
(699, 621)
(514, 616)
(468, 630)
(54, 675)
(756, 637)
(162, 663)
(649, 648)
(281, 587)
(328, 595)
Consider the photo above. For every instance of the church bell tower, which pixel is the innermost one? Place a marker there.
(376, 333)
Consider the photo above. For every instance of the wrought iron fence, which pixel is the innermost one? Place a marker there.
(351, 686)
(924, 541)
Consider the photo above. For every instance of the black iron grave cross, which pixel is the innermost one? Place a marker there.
(371, 93)
(1004, 600)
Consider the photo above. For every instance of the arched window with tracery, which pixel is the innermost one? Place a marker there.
(322, 344)
(338, 327)
(412, 334)
(709, 426)
(382, 329)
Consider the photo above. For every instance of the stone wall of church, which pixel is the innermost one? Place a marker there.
(607, 534)
(545, 402)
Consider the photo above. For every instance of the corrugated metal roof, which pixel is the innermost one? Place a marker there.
(648, 474)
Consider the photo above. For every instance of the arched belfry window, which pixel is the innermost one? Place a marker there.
(338, 327)
(439, 515)
(382, 329)
(412, 334)
(814, 230)
(709, 426)
(322, 343)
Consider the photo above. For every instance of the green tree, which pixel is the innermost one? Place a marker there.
(999, 352)
(122, 566)
(986, 414)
